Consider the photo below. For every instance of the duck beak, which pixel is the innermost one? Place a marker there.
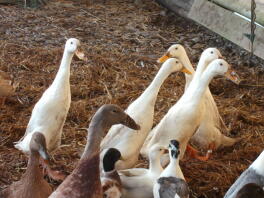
(80, 55)
(129, 122)
(232, 75)
(43, 153)
(185, 70)
(164, 58)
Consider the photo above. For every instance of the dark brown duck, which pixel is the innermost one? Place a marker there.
(84, 181)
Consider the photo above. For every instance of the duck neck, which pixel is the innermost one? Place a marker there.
(94, 138)
(258, 164)
(187, 64)
(63, 75)
(200, 68)
(152, 90)
(198, 86)
(33, 173)
(171, 169)
(154, 165)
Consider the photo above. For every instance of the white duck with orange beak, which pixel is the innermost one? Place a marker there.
(183, 119)
(208, 135)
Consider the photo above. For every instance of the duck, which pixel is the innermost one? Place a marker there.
(7, 87)
(50, 112)
(111, 183)
(141, 110)
(208, 135)
(138, 182)
(251, 190)
(84, 181)
(183, 118)
(171, 182)
(32, 184)
(253, 174)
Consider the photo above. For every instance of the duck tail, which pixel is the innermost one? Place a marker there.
(228, 141)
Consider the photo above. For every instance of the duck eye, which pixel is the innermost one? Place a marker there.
(114, 111)
(176, 48)
(212, 52)
(176, 62)
(71, 43)
(221, 64)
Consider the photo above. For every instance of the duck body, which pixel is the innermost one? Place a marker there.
(84, 181)
(32, 183)
(254, 174)
(138, 182)
(50, 112)
(142, 111)
(171, 182)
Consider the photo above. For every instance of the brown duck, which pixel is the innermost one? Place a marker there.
(84, 181)
(32, 184)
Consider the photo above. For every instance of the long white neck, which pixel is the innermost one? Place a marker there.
(151, 92)
(202, 64)
(154, 164)
(198, 86)
(258, 164)
(63, 75)
(187, 64)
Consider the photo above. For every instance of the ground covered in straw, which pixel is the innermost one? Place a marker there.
(122, 41)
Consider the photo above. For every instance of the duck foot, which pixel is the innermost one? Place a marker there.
(53, 174)
(194, 153)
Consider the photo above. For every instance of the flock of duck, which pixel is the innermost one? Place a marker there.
(116, 138)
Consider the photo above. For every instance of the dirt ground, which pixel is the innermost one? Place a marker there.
(122, 41)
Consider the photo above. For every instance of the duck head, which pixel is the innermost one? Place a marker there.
(210, 54)
(156, 151)
(174, 51)
(250, 190)
(175, 65)
(38, 145)
(72, 46)
(111, 156)
(113, 114)
(221, 67)
(174, 149)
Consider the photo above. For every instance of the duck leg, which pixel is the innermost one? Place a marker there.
(194, 153)
(55, 175)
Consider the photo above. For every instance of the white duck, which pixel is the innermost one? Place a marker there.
(208, 135)
(183, 119)
(138, 182)
(171, 182)
(49, 113)
(254, 174)
(141, 110)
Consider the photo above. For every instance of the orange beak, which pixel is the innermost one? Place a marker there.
(232, 75)
(164, 58)
(184, 70)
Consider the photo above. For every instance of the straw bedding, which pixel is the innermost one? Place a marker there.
(122, 41)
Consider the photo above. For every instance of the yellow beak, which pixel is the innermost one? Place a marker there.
(232, 75)
(164, 58)
(184, 70)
